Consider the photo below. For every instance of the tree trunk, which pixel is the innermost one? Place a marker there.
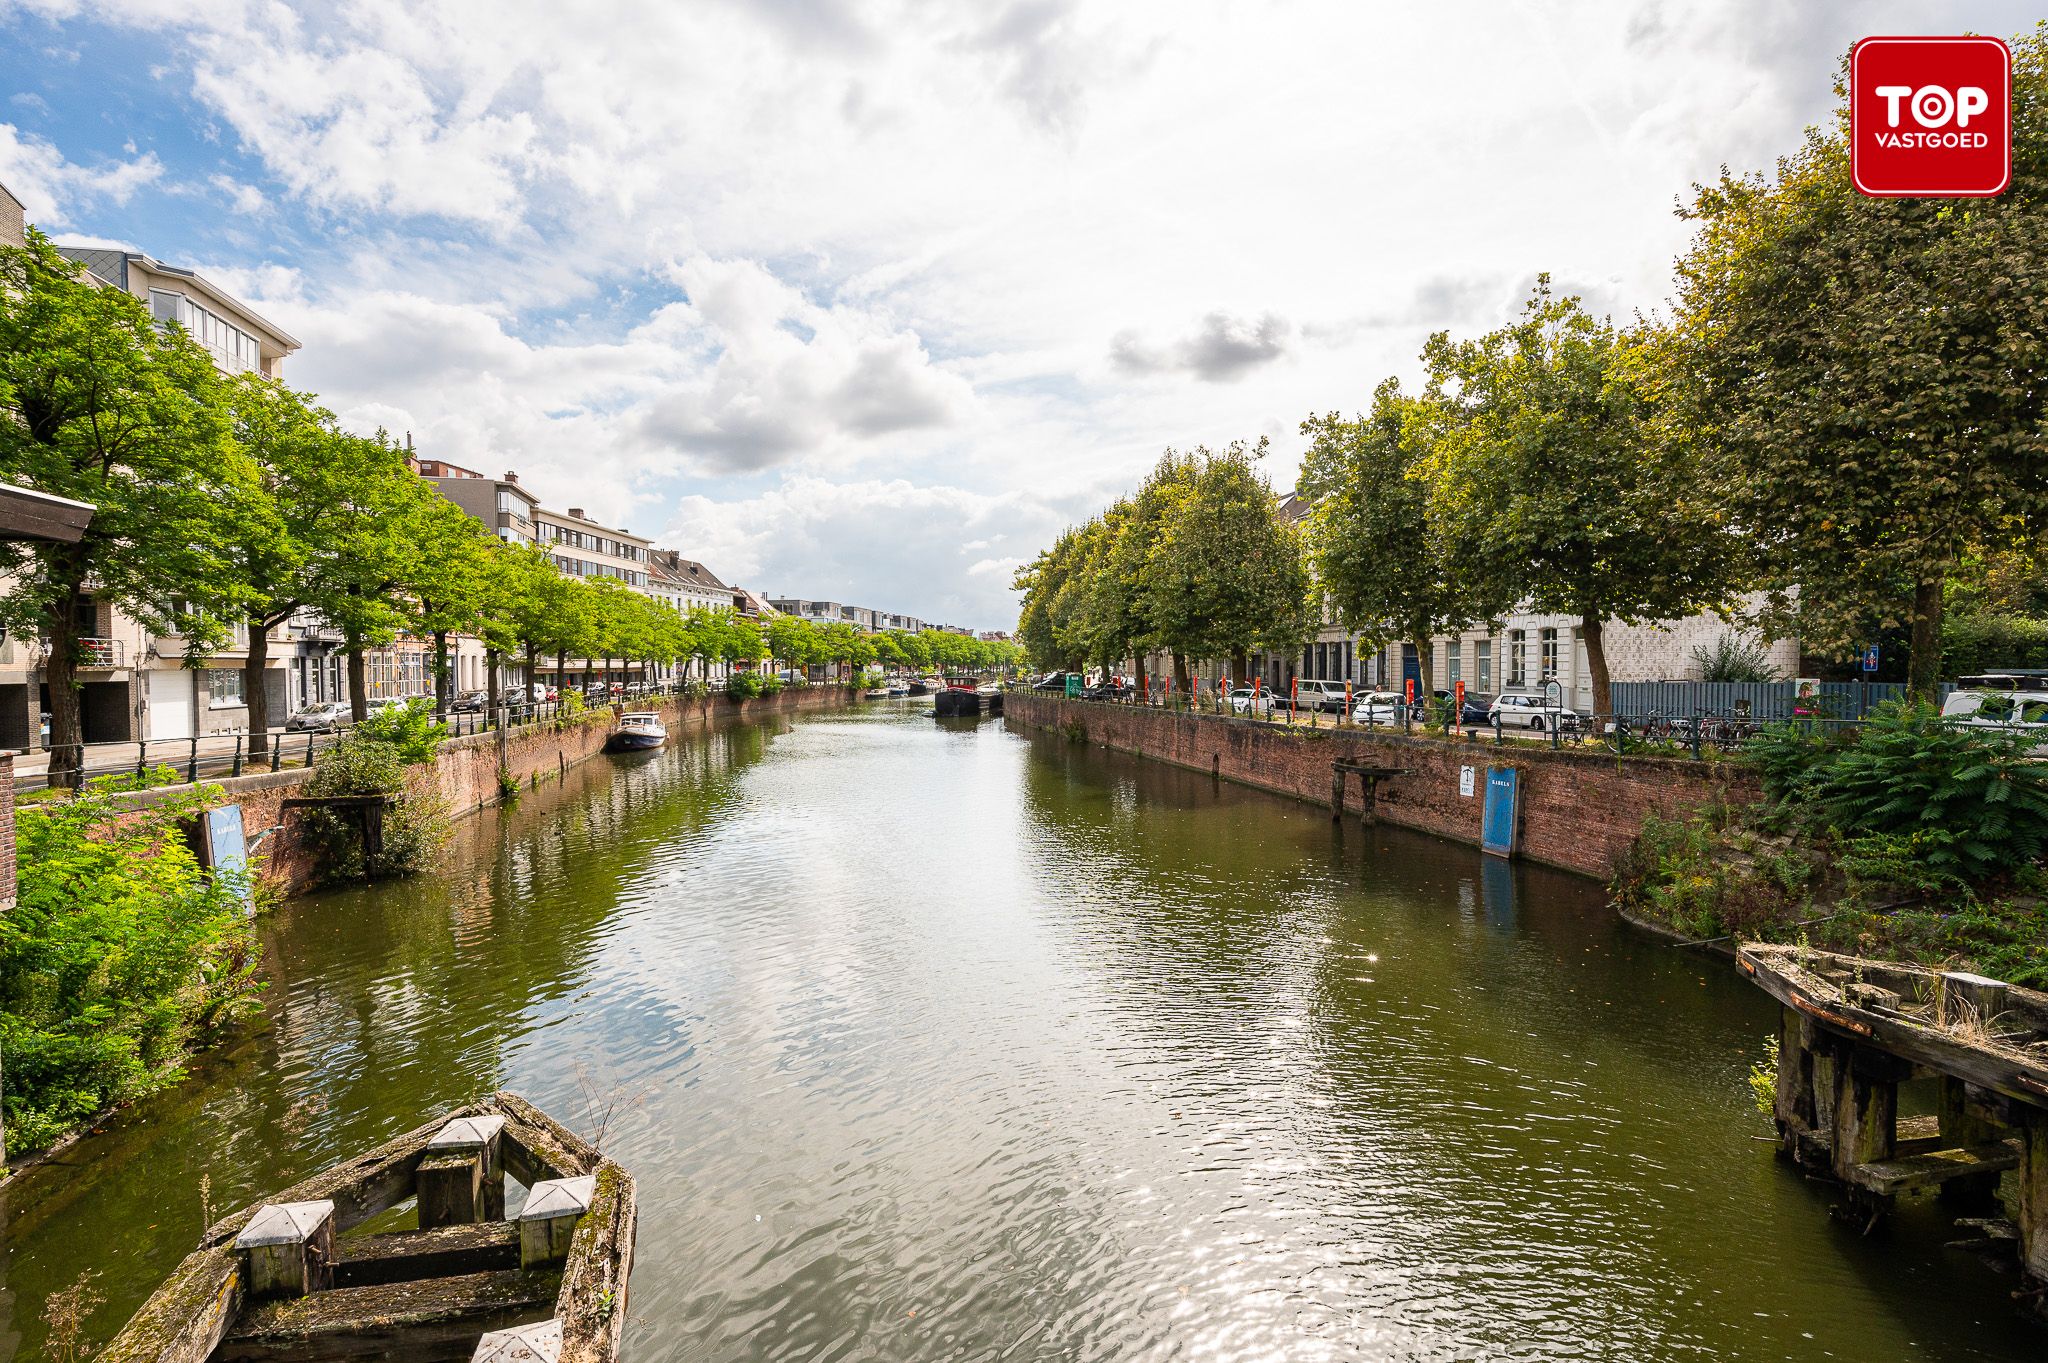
(253, 693)
(1923, 663)
(1138, 681)
(1425, 666)
(561, 673)
(532, 672)
(1240, 663)
(1180, 673)
(358, 677)
(1596, 663)
(440, 674)
(491, 681)
(60, 675)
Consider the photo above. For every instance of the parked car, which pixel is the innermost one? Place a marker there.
(1244, 701)
(1985, 709)
(470, 702)
(1531, 710)
(1051, 681)
(323, 718)
(1378, 707)
(1327, 696)
(1478, 711)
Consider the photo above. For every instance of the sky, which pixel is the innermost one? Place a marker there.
(865, 302)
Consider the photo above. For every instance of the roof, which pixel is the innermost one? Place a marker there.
(687, 572)
(1293, 506)
(112, 266)
(13, 198)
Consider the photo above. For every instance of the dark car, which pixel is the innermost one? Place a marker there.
(470, 702)
(1478, 711)
(1052, 681)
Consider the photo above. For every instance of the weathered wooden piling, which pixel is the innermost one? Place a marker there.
(287, 1249)
(1850, 1032)
(1369, 778)
(548, 1221)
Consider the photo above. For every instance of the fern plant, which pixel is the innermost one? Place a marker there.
(1979, 791)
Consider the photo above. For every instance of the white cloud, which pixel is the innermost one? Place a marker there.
(983, 247)
(53, 189)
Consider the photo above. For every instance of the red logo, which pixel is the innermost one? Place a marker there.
(1930, 117)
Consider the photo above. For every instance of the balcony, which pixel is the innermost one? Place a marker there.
(101, 653)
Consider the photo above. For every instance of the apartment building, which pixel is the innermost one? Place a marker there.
(505, 508)
(860, 617)
(581, 547)
(135, 683)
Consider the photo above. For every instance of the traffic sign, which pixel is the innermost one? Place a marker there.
(1870, 658)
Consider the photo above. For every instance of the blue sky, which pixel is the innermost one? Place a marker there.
(867, 301)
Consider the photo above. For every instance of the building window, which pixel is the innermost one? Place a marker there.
(1456, 662)
(1482, 656)
(1548, 645)
(1518, 657)
(223, 687)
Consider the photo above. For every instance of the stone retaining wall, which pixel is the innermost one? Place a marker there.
(1580, 808)
(464, 773)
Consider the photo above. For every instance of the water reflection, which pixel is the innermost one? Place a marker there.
(936, 1040)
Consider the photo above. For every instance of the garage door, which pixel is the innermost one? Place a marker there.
(170, 703)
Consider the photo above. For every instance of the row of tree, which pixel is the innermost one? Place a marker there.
(1195, 564)
(1841, 414)
(229, 504)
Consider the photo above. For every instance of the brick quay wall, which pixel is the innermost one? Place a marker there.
(1580, 807)
(464, 773)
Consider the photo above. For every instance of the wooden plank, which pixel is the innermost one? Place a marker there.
(1915, 1042)
(404, 1320)
(368, 1260)
(1888, 1178)
(186, 1318)
(594, 1277)
(1918, 1135)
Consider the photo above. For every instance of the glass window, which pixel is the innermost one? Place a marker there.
(1518, 657)
(1548, 645)
(1482, 655)
(223, 687)
(1456, 662)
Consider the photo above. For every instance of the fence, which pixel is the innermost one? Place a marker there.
(1639, 701)
(228, 754)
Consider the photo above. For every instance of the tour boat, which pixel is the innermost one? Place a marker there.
(638, 733)
(282, 1279)
(876, 693)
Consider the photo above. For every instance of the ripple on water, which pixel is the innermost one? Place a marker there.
(931, 1042)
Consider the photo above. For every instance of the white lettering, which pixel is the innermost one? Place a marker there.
(1970, 101)
(1891, 95)
(1932, 106)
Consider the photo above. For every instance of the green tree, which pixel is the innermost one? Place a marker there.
(1226, 575)
(1382, 571)
(310, 482)
(1868, 369)
(1559, 484)
(100, 404)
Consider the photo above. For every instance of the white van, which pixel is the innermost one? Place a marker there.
(1319, 695)
(1999, 709)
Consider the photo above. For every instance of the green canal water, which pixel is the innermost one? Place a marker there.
(946, 1042)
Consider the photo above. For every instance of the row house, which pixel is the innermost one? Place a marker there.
(1524, 650)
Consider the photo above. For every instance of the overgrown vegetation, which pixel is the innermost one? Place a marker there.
(1903, 838)
(120, 956)
(371, 760)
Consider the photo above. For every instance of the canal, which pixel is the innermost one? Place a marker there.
(937, 1041)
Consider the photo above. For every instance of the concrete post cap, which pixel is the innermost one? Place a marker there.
(559, 1197)
(464, 1132)
(284, 1223)
(540, 1342)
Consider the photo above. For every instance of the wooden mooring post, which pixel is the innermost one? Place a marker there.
(1850, 1032)
(1369, 778)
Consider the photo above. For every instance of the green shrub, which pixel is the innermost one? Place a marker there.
(743, 685)
(409, 729)
(1985, 643)
(1786, 756)
(120, 955)
(1979, 792)
(415, 826)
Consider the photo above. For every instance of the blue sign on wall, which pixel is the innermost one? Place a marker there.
(228, 849)
(1870, 658)
(1497, 824)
